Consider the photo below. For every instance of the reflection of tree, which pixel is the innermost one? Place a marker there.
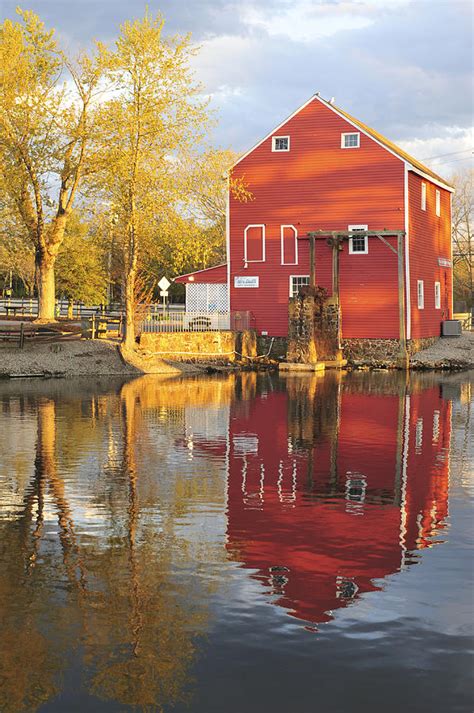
(125, 588)
(141, 626)
(29, 663)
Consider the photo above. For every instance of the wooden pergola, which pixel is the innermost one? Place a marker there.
(335, 239)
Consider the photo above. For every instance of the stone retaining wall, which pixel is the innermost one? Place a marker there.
(216, 347)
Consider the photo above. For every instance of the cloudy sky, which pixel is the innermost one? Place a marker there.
(402, 66)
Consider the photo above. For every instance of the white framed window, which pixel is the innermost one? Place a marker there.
(297, 282)
(421, 294)
(423, 196)
(350, 140)
(438, 203)
(358, 244)
(289, 245)
(437, 295)
(254, 243)
(280, 143)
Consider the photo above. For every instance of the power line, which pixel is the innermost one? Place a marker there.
(453, 153)
(455, 160)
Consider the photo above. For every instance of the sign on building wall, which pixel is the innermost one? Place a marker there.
(245, 281)
(444, 262)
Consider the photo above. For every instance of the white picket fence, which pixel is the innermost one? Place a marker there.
(197, 322)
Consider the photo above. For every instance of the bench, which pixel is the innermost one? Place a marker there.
(14, 309)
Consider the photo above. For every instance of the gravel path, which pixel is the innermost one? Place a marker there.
(447, 352)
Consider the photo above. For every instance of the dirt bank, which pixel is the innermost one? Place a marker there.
(81, 358)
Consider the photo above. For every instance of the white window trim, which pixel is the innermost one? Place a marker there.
(350, 133)
(437, 295)
(420, 294)
(282, 248)
(291, 280)
(358, 252)
(254, 225)
(438, 203)
(274, 138)
(423, 196)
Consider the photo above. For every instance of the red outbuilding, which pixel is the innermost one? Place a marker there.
(323, 170)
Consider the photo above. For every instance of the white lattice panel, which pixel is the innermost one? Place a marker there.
(206, 297)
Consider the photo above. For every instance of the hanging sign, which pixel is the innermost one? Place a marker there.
(246, 281)
(444, 262)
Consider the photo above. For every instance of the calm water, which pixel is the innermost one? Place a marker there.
(237, 544)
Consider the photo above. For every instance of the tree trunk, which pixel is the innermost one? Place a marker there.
(46, 290)
(129, 325)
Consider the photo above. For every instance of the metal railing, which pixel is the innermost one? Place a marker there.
(197, 322)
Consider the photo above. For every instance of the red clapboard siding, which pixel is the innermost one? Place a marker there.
(430, 239)
(318, 185)
(211, 275)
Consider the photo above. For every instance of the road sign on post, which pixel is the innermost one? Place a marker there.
(164, 283)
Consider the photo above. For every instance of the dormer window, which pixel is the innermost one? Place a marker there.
(280, 143)
(350, 141)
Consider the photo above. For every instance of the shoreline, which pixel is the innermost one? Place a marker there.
(102, 357)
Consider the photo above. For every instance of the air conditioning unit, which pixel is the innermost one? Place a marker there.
(451, 328)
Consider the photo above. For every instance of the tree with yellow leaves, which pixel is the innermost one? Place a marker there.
(45, 125)
(155, 114)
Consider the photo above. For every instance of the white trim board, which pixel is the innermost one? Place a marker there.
(227, 238)
(254, 225)
(407, 255)
(282, 252)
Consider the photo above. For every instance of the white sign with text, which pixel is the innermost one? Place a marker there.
(245, 281)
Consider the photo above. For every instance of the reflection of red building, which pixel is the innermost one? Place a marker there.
(329, 487)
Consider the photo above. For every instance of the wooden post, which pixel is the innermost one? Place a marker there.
(403, 354)
(335, 269)
(312, 265)
(22, 335)
(337, 241)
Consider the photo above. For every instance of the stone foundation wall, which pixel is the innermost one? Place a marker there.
(386, 350)
(370, 350)
(216, 347)
(417, 345)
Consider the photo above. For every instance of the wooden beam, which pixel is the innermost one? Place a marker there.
(312, 258)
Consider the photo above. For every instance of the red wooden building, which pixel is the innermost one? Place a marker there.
(323, 170)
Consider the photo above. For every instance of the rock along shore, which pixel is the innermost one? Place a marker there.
(81, 357)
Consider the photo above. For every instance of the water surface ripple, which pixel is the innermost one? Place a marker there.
(237, 543)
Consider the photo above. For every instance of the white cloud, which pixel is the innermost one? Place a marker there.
(446, 154)
(304, 20)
